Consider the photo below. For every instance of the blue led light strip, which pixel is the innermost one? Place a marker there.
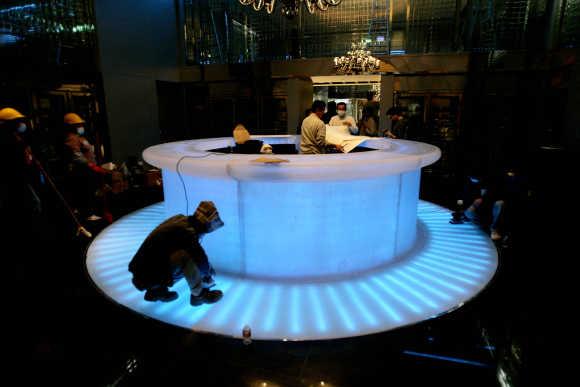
(447, 358)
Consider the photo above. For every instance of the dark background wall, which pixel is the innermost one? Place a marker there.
(138, 46)
(129, 57)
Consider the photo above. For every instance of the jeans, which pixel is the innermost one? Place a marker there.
(183, 265)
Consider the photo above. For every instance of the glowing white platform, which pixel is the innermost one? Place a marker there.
(449, 265)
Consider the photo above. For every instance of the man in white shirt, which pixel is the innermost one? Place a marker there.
(313, 131)
(341, 119)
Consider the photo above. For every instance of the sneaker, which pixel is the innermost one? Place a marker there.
(163, 295)
(495, 236)
(206, 297)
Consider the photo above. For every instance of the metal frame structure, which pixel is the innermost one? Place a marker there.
(221, 31)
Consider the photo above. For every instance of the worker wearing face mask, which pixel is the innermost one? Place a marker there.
(342, 119)
(75, 138)
(18, 198)
(173, 251)
(12, 121)
(84, 177)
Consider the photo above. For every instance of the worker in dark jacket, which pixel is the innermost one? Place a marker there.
(18, 197)
(172, 251)
(84, 179)
(245, 145)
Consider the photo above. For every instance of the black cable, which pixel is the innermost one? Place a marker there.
(181, 177)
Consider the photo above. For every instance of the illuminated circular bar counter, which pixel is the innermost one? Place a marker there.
(303, 219)
(318, 247)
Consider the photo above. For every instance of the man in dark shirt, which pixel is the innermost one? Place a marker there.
(172, 251)
(330, 112)
(399, 123)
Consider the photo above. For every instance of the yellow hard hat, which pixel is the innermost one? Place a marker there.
(73, 119)
(9, 114)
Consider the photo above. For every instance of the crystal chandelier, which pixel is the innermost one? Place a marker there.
(290, 8)
(357, 60)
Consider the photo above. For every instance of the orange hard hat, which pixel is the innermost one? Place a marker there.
(9, 114)
(73, 119)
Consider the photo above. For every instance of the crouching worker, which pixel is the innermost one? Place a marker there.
(172, 251)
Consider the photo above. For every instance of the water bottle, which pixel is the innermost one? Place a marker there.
(247, 335)
(458, 215)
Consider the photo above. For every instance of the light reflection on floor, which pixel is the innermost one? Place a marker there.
(455, 264)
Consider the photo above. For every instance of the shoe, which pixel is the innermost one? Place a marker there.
(495, 236)
(206, 297)
(163, 295)
(506, 242)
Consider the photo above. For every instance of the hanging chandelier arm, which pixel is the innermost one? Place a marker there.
(258, 4)
(322, 5)
(290, 8)
(270, 6)
(310, 5)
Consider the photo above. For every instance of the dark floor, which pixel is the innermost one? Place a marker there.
(65, 333)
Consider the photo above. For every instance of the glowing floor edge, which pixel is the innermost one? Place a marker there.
(454, 263)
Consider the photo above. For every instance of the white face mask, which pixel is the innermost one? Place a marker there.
(80, 130)
(21, 128)
(341, 113)
(215, 224)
